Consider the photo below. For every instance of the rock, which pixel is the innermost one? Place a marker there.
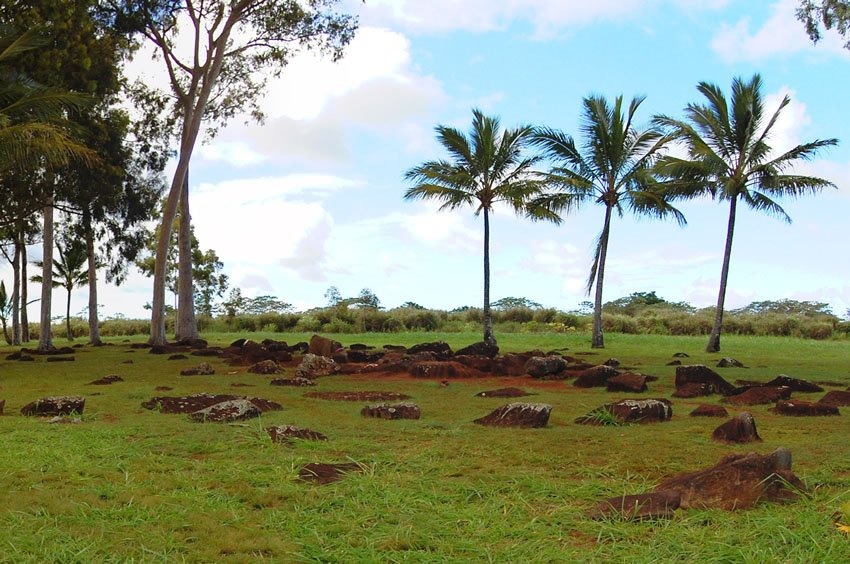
(207, 352)
(507, 365)
(681, 355)
(674, 363)
(395, 348)
(836, 397)
(241, 385)
(111, 379)
(265, 367)
(440, 370)
(197, 343)
(533, 415)
(177, 356)
(196, 402)
(285, 434)
(301, 382)
(314, 366)
(543, 366)
(60, 359)
(479, 349)
(660, 505)
(595, 377)
(239, 343)
(226, 411)
(738, 481)
(759, 395)
(629, 411)
(361, 347)
(363, 356)
(705, 410)
(699, 374)
(203, 369)
(739, 429)
(440, 348)
(612, 362)
(804, 408)
(322, 346)
(392, 411)
(2, 406)
(730, 363)
(14, 356)
(55, 405)
(795, 384)
(693, 390)
(358, 396)
(628, 382)
(323, 473)
(503, 393)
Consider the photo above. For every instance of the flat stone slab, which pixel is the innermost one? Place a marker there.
(324, 473)
(759, 395)
(706, 410)
(404, 410)
(286, 433)
(55, 405)
(60, 359)
(740, 429)
(357, 396)
(517, 414)
(226, 411)
(503, 393)
(190, 404)
(804, 409)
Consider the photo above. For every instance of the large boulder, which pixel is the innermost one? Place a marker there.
(739, 429)
(595, 377)
(738, 481)
(628, 382)
(545, 366)
(285, 434)
(265, 367)
(323, 346)
(226, 411)
(313, 366)
(518, 414)
(700, 374)
(655, 410)
(479, 349)
(55, 405)
(403, 410)
(440, 348)
(803, 408)
(759, 395)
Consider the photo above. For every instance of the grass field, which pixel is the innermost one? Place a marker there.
(128, 484)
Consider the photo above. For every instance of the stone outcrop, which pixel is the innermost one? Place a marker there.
(196, 402)
(503, 393)
(298, 382)
(528, 415)
(836, 397)
(595, 377)
(479, 349)
(322, 346)
(545, 366)
(795, 384)
(730, 363)
(106, 380)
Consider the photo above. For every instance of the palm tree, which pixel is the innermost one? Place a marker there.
(485, 168)
(69, 272)
(729, 159)
(613, 168)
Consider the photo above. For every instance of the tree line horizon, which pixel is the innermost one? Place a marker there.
(65, 145)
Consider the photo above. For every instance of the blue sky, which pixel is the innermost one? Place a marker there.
(314, 197)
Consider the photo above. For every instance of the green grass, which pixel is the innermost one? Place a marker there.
(131, 484)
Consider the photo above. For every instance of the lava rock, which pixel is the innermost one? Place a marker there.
(543, 366)
(596, 377)
(358, 396)
(503, 393)
(196, 402)
(759, 395)
(693, 390)
(440, 348)
(178, 356)
(836, 397)
(655, 410)
(60, 359)
(55, 405)
(795, 384)
(628, 382)
(739, 429)
(265, 367)
(285, 434)
(203, 369)
(700, 374)
(402, 410)
(479, 349)
(226, 412)
(314, 366)
(440, 370)
(612, 362)
(660, 505)
(730, 363)
(322, 346)
(804, 409)
(705, 410)
(106, 380)
(533, 415)
(299, 382)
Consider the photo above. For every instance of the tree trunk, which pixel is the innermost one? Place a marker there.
(488, 319)
(714, 339)
(45, 340)
(68, 317)
(598, 338)
(186, 326)
(25, 319)
(94, 329)
(16, 294)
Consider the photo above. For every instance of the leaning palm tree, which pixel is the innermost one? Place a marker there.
(69, 271)
(486, 168)
(729, 159)
(612, 168)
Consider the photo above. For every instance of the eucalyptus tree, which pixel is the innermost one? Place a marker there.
(729, 159)
(217, 57)
(612, 167)
(830, 14)
(69, 271)
(488, 167)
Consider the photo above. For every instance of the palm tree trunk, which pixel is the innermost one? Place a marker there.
(68, 316)
(16, 294)
(25, 319)
(94, 329)
(714, 339)
(45, 339)
(598, 338)
(186, 324)
(488, 319)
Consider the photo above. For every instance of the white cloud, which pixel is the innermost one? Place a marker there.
(781, 34)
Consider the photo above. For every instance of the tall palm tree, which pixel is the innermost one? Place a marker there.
(612, 167)
(729, 159)
(69, 272)
(485, 168)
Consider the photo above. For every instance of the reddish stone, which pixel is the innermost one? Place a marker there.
(705, 410)
(226, 412)
(440, 348)
(836, 397)
(739, 429)
(392, 411)
(804, 408)
(106, 380)
(357, 396)
(2, 406)
(190, 404)
(628, 382)
(595, 377)
(55, 405)
(693, 390)
(177, 357)
(285, 434)
(323, 473)
(322, 346)
(659, 505)
(738, 481)
(699, 374)
(526, 415)
(503, 393)
(479, 349)
(759, 395)
(545, 366)
(441, 370)
(795, 384)
(655, 410)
